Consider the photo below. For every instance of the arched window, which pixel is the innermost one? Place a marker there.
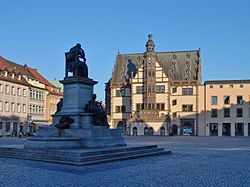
(134, 133)
(151, 131)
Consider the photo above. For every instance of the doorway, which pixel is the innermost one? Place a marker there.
(239, 129)
(226, 129)
(213, 129)
(134, 131)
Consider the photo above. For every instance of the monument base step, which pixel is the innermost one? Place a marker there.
(72, 142)
(82, 157)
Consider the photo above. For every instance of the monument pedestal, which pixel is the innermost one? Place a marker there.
(82, 133)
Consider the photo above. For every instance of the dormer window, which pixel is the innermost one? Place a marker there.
(13, 75)
(19, 77)
(5, 73)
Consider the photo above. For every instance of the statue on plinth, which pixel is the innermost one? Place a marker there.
(76, 62)
(99, 114)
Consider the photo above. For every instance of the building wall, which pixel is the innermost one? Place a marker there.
(13, 107)
(221, 91)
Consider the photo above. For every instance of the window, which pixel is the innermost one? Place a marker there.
(1, 88)
(214, 100)
(226, 113)
(174, 114)
(24, 108)
(231, 86)
(6, 107)
(139, 89)
(149, 106)
(187, 91)
(51, 100)
(162, 106)
(214, 113)
(149, 88)
(160, 89)
(19, 91)
(149, 73)
(24, 92)
(174, 90)
(174, 102)
(226, 100)
(221, 86)
(13, 90)
(120, 93)
(211, 86)
(138, 106)
(239, 112)
(120, 109)
(1, 106)
(187, 108)
(7, 89)
(239, 100)
(153, 74)
(12, 107)
(18, 107)
(241, 86)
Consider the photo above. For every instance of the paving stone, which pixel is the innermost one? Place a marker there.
(195, 161)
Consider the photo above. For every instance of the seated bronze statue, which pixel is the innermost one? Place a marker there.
(76, 62)
(99, 114)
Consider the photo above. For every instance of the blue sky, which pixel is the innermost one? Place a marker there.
(38, 33)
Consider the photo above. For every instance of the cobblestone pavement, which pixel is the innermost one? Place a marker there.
(195, 161)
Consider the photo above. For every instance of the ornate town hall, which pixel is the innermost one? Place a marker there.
(160, 93)
(141, 86)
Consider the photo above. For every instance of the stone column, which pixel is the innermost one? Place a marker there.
(233, 129)
(245, 129)
(220, 126)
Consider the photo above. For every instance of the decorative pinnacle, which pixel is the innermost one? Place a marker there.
(150, 36)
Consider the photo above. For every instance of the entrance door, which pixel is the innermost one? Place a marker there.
(151, 131)
(213, 129)
(162, 131)
(134, 133)
(239, 129)
(174, 130)
(187, 129)
(226, 130)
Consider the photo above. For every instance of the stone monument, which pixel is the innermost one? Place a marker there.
(79, 134)
(80, 121)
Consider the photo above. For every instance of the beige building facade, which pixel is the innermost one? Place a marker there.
(160, 93)
(25, 99)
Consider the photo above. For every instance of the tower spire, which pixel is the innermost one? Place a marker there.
(150, 45)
